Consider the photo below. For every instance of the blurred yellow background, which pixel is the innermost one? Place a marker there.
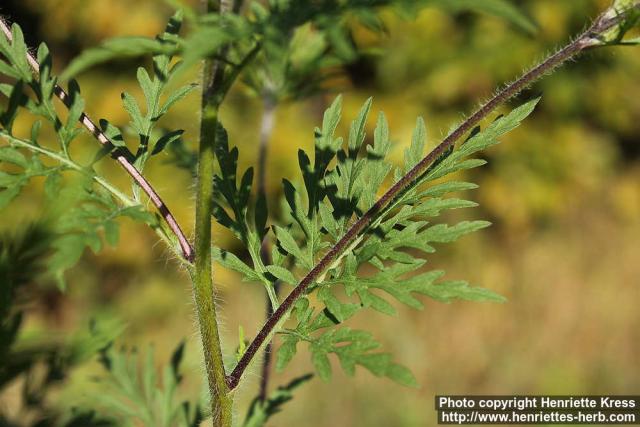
(563, 193)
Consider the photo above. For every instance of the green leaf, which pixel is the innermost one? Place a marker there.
(235, 197)
(131, 105)
(261, 410)
(232, 262)
(401, 375)
(177, 96)
(339, 310)
(149, 89)
(288, 243)
(153, 86)
(282, 274)
(18, 53)
(71, 129)
(17, 99)
(69, 248)
(415, 152)
(111, 233)
(138, 213)
(115, 48)
(35, 131)
(450, 290)
(9, 179)
(83, 215)
(167, 139)
(6, 196)
(297, 211)
(357, 131)
(77, 105)
(443, 233)
(8, 71)
(321, 363)
(11, 155)
(261, 216)
(207, 39)
(500, 8)
(353, 348)
(133, 391)
(429, 208)
(287, 350)
(52, 185)
(328, 221)
(454, 162)
(447, 187)
(113, 133)
(11, 184)
(324, 137)
(344, 184)
(376, 169)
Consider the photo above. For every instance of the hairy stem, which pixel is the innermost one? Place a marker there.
(120, 154)
(221, 401)
(203, 291)
(584, 41)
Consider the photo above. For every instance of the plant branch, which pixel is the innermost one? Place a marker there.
(588, 39)
(120, 154)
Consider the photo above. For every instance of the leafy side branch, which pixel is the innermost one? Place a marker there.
(605, 30)
(119, 153)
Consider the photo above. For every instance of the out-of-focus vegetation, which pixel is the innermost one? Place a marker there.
(563, 192)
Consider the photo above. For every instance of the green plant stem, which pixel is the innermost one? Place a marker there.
(213, 90)
(588, 39)
(221, 401)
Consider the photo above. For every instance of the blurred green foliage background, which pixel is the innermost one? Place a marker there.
(563, 192)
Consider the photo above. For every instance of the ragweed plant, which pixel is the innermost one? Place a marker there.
(355, 230)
